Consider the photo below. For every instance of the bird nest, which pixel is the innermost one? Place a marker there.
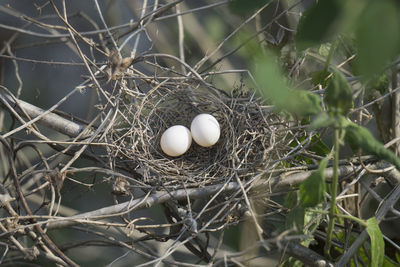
(250, 140)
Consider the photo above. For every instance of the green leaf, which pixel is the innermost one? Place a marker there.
(245, 6)
(295, 218)
(379, 83)
(388, 262)
(342, 236)
(377, 242)
(377, 36)
(339, 95)
(317, 23)
(291, 199)
(270, 78)
(324, 49)
(302, 103)
(322, 120)
(319, 147)
(312, 190)
(319, 77)
(360, 138)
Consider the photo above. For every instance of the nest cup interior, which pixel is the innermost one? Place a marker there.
(243, 147)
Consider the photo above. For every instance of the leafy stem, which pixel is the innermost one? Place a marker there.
(329, 58)
(343, 216)
(332, 210)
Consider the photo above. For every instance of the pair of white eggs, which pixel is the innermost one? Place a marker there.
(204, 130)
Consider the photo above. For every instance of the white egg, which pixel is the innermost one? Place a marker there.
(205, 130)
(176, 140)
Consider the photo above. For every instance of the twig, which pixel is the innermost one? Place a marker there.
(384, 208)
(334, 188)
(25, 205)
(181, 37)
(46, 118)
(105, 24)
(395, 110)
(35, 61)
(17, 75)
(278, 182)
(192, 10)
(38, 115)
(393, 91)
(152, 15)
(307, 256)
(156, 198)
(198, 65)
(207, 57)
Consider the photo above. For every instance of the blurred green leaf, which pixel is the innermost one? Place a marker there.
(232, 237)
(215, 27)
(360, 138)
(322, 120)
(302, 103)
(316, 146)
(377, 36)
(319, 147)
(379, 83)
(312, 190)
(317, 23)
(377, 242)
(324, 49)
(320, 77)
(295, 218)
(291, 199)
(245, 6)
(270, 78)
(339, 95)
(388, 262)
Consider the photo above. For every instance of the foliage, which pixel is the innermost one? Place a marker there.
(376, 45)
(360, 138)
(377, 242)
(339, 95)
(270, 78)
(312, 190)
(318, 24)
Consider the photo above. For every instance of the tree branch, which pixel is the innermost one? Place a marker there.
(275, 183)
(49, 120)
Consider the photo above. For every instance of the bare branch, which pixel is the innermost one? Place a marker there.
(47, 119)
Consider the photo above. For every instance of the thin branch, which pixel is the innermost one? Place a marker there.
(192, 10)
(37, 115)
(212, 53)
(35, 61)
(277, 183)
(145, 202)
(307, 256)
(181, 37)
(395, 110)
(47, 119)
(384, 208)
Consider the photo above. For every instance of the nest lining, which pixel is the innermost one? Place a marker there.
(249, 141)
